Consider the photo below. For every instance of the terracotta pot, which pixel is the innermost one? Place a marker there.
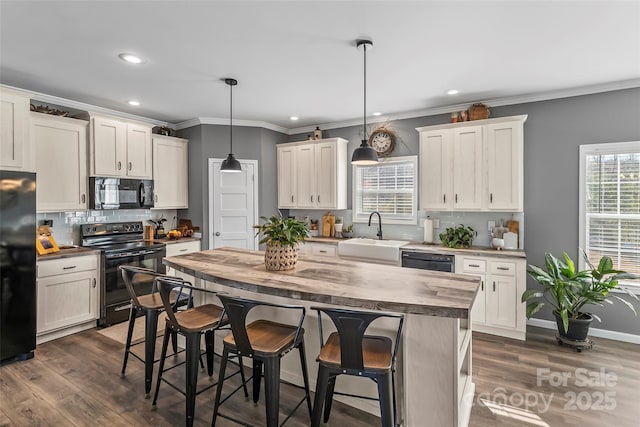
(578, 328)
(280, 258)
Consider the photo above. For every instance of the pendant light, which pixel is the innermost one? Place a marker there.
(364, 154)
(230, 164)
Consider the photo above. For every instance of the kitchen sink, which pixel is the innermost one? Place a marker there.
(372, 249)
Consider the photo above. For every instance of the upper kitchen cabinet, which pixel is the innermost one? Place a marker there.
(313, 174)
(16, 152)
(170, 179)
(472, 166)
(119, 148)
(60, 145)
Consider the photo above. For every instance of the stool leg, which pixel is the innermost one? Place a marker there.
(193, 353)
(257, 377)
(329, 399)
(127, 347)
(208, 340)
(321, 392)
(244, 380)
(174, 343)
(165, 344)
(151, 323)
(386, 396)
(305, 375)
(272, 390)
(223, 366)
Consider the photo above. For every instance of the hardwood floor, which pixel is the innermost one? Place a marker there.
(75, 381)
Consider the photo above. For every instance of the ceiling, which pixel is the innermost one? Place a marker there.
(299, 58)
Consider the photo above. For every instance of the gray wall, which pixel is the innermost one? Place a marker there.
(212, 141)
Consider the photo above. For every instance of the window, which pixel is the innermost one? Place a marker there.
(610, 204)
(389, 188)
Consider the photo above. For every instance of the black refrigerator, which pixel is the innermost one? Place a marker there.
(17, 265)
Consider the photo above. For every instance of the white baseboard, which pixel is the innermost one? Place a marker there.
(595, 332)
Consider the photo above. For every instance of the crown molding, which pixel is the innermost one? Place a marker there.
(225, 121)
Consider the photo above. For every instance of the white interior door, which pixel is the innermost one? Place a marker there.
(233, 206)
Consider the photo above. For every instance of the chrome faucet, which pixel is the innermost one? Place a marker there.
(379, 233)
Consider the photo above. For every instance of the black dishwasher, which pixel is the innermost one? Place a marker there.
(428, 261)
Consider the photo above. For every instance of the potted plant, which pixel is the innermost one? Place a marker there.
(338, 226)
(569, 291)
(458, 237)
(347, 231)
(281, 235)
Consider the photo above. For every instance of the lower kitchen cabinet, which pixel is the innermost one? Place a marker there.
(497, 309)
(180, 248)
(319, 249)
(67, 300)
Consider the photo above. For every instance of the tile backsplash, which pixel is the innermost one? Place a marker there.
(66, 225)
(477, 220)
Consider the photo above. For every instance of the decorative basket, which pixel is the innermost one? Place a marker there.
(478, 112)
(279, 258)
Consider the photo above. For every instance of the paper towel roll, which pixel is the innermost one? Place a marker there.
(428, 231)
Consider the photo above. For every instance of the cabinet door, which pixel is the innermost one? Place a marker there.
(139, 151)
(436, 170)
(305, 176)
(502, 301)
(109, 147)
(66, 300)
(61, 163)
(287, 177)
(503, 153)
(478, 312)
(467, 168)
(325, 168)
(15, 148)
(170, 172)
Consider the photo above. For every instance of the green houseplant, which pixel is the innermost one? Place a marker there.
(568, 291)
(458, 237)
(281, 236)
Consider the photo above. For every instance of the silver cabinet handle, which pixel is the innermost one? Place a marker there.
(119, 165)
(292, 198)
(323, 252)
(494, 286)
(217, 233)
(318, 198)
(94, 283)
(156, 197)
(185, 249)
(69, 268)
(130, 165)
(456, 198)
(482, 284)
(83, 198)
(312, 198)
(444, 198)
(491, 198)
(503, 268)
(474, 265)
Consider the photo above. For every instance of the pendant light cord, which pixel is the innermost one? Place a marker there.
(364, 121)
(231, 119)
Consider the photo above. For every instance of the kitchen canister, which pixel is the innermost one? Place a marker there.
(428, 230)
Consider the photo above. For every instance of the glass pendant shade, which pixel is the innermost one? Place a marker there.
(364, 155)
(230, 164)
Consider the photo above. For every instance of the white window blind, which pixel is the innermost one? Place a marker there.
(389, 188)
(611, 204)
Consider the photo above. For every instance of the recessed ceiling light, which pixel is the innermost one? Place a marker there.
(377, 113)
(294, 118)
(452, 92)
(128, 57)
(134, 103)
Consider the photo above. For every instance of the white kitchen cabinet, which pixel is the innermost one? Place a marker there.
(497, 309)
(472, 166)
(119, 148)
(287, 177)
(60, 145)
(170, 175)
(67, 296)
(313, 174)
(16, 152)
(181, 248)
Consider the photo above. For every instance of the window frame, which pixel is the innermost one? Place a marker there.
(598, 149)
(364, 218)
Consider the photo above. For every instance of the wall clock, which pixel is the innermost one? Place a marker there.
(383, 141)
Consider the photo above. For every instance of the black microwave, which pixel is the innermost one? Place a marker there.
(117, 193)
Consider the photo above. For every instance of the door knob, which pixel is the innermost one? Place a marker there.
(217, 233)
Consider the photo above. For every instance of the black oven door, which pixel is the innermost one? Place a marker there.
(116, 301)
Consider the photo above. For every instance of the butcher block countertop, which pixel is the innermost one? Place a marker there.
(337, 282)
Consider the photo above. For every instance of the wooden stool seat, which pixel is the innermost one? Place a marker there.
(376, 352)
(267, 337)
(142, 278)
(153, 301)
(200, 318)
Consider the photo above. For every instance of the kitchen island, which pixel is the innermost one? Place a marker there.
(434, 363)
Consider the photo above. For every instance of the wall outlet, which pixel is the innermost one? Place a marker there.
(48, 222)
(491, 225)
(436, 222)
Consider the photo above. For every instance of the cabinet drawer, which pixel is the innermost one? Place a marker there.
(474, 265)
(324, 250)
(174, 249)
(67, 265)
(503, 268)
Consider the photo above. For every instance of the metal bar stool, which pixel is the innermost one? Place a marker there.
(192, 323)
(349, 351)
(266, 342)
(151, 305)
